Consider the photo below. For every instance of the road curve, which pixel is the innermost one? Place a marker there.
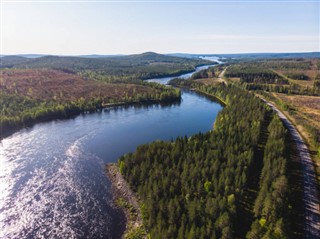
(310, 190)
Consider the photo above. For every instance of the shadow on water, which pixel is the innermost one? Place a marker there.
(144, 105)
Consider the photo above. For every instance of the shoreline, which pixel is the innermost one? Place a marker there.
(8, 131)
(125, 199)
(180, 72)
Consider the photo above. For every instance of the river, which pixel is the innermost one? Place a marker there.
(52, 179)
(165, 80)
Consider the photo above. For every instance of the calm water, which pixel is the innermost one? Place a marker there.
(52, 180)
(165, 80)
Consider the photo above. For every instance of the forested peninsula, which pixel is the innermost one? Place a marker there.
(197, 187)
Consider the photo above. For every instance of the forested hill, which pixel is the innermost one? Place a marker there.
(141, 66)
(255, 56)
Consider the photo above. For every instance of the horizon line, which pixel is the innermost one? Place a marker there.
(183, 53)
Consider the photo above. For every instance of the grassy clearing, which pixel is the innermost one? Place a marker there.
(308, 105)
(210, 81)
(234, 79)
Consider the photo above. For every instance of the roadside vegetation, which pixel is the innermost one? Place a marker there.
(293, 85)
(303, 112)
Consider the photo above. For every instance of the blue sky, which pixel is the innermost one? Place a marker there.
(71, 28)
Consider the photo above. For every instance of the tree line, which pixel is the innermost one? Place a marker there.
(18, 111)
(207, 73)
(293, 88)
(271, 205)
(249, 74)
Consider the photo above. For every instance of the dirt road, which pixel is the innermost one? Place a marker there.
(220, 77)
(222, 73)
(310, 190)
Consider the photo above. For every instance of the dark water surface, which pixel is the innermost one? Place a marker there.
(52, 180)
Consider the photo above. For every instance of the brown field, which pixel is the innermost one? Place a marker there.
(312, 73)
(209, 81)
(306, 113)
(304, 83)
(234, 79)
(47, 84)
(309, 106)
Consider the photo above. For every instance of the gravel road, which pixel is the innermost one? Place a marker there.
(310, 190)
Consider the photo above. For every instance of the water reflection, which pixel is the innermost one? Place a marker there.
(144, 106)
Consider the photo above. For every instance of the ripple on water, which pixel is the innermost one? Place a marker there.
(61, 202)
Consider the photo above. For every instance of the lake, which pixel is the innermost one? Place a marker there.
(52, 179)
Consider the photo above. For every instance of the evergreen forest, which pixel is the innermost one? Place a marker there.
(190, 187)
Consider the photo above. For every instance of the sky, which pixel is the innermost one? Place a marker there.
(130, 27)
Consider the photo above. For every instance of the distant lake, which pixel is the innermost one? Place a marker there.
(52, 177)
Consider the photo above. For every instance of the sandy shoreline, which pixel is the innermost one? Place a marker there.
(125, 199)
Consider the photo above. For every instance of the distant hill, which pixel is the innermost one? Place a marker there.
(139, 66)
(95, 61)
(10, 61)
(100, 56)
(271, 55)
(252, 55)
(26, 55)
